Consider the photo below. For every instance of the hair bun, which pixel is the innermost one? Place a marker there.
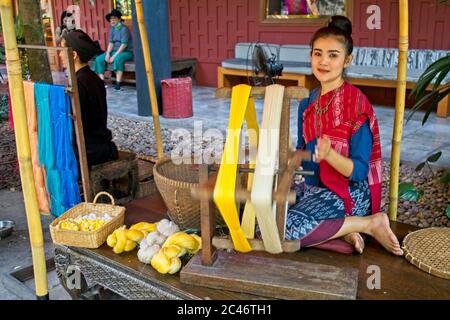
(341, 23)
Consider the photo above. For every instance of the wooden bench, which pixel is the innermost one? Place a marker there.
(129, 278)
(186, 66)
(372, 67)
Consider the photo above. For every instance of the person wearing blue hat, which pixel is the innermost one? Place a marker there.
(120, 48)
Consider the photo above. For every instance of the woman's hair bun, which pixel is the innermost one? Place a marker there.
(342, 23)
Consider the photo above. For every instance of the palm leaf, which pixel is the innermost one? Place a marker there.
(441, 76)
(436, 96)
(430, 73)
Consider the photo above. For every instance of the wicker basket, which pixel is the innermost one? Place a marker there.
(429, 250)
(88, 239)
(177, 98)
(175, 182)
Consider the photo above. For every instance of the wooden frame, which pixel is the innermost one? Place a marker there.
(72, 90)
(298, 20)
(288, 161)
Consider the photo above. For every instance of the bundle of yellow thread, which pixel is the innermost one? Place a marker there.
(125, 240)
(167, 259)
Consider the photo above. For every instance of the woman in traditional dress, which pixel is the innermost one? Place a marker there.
(338, 125)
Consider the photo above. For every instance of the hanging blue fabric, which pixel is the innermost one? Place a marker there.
(55, 148)
(66, 162)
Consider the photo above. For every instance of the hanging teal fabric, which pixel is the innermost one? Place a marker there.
(66, 162)
(46, 152)
(55, 149)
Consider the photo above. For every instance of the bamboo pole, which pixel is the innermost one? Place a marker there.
(399, 109)
(23, 149)
(150, 77)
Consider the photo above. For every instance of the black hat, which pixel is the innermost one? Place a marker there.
(79, 41)
(114, 13)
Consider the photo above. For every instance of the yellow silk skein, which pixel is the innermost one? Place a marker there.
(242, 106)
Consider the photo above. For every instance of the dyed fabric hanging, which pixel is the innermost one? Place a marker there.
(46, 152)
(38, 171)
(55, 150)
(66, 162)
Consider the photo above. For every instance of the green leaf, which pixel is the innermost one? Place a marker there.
(407, 191)
(411, 195)
(421, 194)
(430, 73)
(420, 166)
(435, 96)
(434, 157)
(442, 74)
(447, 211)
(445, 178)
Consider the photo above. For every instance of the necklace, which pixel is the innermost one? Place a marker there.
(320, 111)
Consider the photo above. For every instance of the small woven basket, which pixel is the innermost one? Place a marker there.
(429, 250)
(177, 98)
(174, 183)
(88, 239)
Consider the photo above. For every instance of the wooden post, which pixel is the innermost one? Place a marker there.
(399, 109)
(283, 160)
(150, 77)
(208, 221)
(23, 150)
(78, 124)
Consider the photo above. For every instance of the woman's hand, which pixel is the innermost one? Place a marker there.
(111, 60)
(107, 57)
(323, 148)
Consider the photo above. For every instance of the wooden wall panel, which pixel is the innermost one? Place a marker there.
(209, 29)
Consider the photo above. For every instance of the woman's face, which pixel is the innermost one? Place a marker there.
(328, 59)
(113, 21)
(69, 22)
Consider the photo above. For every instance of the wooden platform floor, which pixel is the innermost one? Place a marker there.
(399, 278)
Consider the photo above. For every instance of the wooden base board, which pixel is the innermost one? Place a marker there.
(256, 244)
(272, 277)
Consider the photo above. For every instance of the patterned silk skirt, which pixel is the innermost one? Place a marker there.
(319, 213)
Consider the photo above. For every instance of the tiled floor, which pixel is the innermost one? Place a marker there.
(212, 113)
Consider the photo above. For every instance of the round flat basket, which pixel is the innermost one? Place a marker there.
(429, 250)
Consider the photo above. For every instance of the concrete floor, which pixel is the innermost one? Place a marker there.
(15, 251)
(418, 143)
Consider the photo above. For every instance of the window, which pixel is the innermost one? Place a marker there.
(311, 12)
(124, 6)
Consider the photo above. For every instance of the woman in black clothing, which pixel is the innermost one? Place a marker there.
(98, 138)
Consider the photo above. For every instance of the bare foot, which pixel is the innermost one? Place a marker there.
(355, 240)
(379, 229)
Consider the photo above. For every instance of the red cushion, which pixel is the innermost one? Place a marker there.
(336, 245)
